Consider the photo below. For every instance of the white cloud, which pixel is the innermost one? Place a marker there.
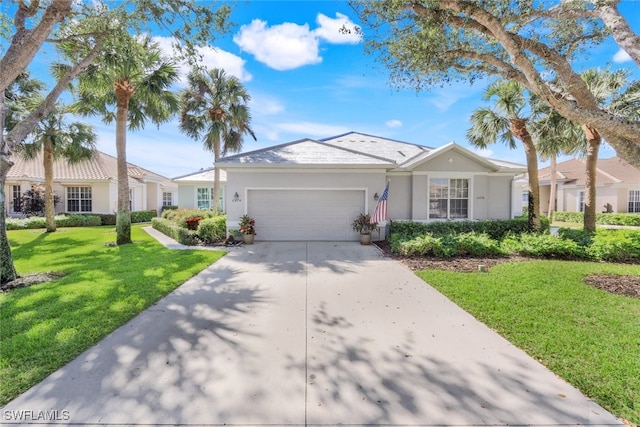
(329, 29)
(393, 123)
(282, 47)
(210, 57)
(265, 105)
(288, 45)
(621, 56)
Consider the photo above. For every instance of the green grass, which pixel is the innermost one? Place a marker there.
(45, 326)
(587, 336)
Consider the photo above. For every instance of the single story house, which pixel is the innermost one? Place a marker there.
(617, 185)
(314, 189)
(90, 186)
(195, 190)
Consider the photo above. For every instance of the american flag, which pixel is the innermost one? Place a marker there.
(380, 213)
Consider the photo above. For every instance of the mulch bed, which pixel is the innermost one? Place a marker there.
(627, 285)
(28, 280)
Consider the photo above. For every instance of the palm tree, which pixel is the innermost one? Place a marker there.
(74, 142)
(505, 122)
(554, 136)
(557, 134)
(214, 107)
(129, 84)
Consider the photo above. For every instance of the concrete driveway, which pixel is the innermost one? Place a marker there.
(305, 334)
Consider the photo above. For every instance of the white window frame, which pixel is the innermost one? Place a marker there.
(16, 195)
(204, 203)
(167, 198)
(633, 201)
(468, 198)
(580, 200)
(84, 194)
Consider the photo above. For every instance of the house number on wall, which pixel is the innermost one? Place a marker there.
(480, 198)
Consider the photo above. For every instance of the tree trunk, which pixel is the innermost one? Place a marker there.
(593, 139)
(216, 173)
(124, 92)
(620, 29)
(49, 207)
(519, 128)
(553, 189)
(7, 269)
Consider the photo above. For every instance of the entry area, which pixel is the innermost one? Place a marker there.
(305, 214)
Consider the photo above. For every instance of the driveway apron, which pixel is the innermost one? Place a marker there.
(297, 333)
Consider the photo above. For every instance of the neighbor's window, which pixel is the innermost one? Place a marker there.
(204, 197)
(634, 201)
(79, 199)
(448, 198)
(581, 201)
(16, 197)
(167, 199)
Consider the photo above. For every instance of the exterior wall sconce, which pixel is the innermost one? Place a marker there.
(236, 197)
(376, 197)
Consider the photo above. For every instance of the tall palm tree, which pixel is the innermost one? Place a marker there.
(74, 142)
(129, 85)
(554, 136)
(506, 122)
(214, 107)
(554, 132)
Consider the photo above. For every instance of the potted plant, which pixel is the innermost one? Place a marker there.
(247, 228)
(363, 225)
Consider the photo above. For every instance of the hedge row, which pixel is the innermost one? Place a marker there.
(173, 230)
(604, 245)
(209, 230)
(181, 216)
(76, 220)
(496, 229)
(630, 219)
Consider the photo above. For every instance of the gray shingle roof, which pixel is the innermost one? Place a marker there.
(201, 175)
(396, 151)
(307, 152)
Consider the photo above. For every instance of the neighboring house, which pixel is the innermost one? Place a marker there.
(90, 186)
(617, 185)
(195, 190)
(313, 189)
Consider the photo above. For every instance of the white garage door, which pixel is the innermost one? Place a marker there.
(305, 214)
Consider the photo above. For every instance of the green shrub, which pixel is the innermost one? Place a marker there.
(477, 245)
(543, 245)
(107, 219)
(168, 207)
(423, 245)
(180, 216)
(496, 229)
(143, 216)
(629, 219)
(581, 237)
(78, 220)
(212, 230)
(615, 245)
(171, 229)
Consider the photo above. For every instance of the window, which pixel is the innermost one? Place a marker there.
(16, 198)
(167, 199)
(78, 199)
(581, 201)
(204, 196)
(448, 198)
(634, 201)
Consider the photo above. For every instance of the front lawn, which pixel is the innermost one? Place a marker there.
(587, 336)
(45, 326)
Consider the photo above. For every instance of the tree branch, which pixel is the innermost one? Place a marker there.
(620, 29)
(26, 42)
(22, 129)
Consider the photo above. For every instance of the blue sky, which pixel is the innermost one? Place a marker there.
(308, 81)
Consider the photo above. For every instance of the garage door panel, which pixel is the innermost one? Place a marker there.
(305, 214)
